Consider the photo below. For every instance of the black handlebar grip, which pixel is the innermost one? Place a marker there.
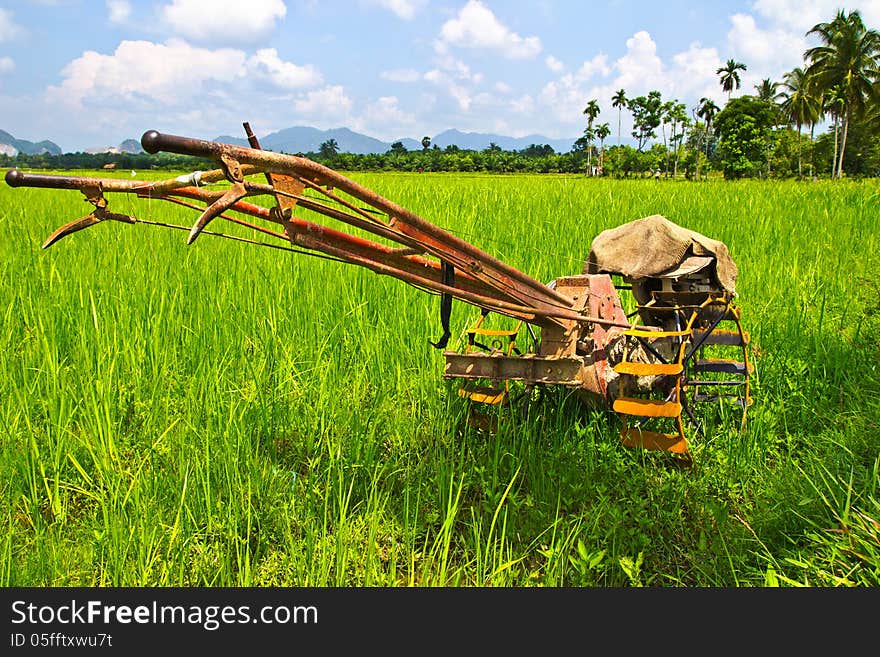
(13, 178)
(153, 141)
(16, 178)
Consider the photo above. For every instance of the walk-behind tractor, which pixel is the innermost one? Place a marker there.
(682, 345)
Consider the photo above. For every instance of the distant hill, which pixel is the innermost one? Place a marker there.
(15, 146)
(303, 139)
(130, 146)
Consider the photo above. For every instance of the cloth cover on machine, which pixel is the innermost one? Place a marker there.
(654, 247)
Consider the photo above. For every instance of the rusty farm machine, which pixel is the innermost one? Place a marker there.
(681, 347)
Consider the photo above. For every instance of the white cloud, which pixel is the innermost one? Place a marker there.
(401, 75)
(523, 105)
(140, 71)
(226, 21)
(9, 30)
(173, 74)
(772, 51)
(405, 9)
(382, 116)
(800, 15)
(458, 81)
(327, 104)
(596, 65)
(640, 66)
(554, 64)
(285, 75)
(475, 26)
(6, 65)
(688, 75)
(443, 80)
(693, 74)
(502, 87)
(457, 69)
(119, 10)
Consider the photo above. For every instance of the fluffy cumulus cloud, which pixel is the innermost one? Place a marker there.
(143, 72)
(324, 105)
(175, 73)
(688, 75)
(800, 15)
(554, 64)
(456, 79)
(405, 9)
(475, 26)
(224, 21)
(770, 51)
(6, 65)
(9, 29)
(118, 10)
(384, 115)
(284, 75)
(195, 90)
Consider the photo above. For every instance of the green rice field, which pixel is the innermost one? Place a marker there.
(227, 415)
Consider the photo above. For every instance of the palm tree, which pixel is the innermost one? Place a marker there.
(602, 131)
(767, 90)
(678, 118)
(729, 76)
(328, 148)
(799, 105)
(707, 111)
(848, 60)
(619, 100)
(591, 111)
(833, 103)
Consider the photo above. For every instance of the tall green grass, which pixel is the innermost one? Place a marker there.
(222, 414)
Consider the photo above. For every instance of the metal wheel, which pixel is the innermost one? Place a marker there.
(716, 385)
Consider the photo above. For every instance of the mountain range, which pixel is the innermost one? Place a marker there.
(9, 145)
(303, 139)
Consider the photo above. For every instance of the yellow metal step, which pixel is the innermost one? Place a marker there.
(483, 395)
(646, 407)
(664, 442)
(647, 369)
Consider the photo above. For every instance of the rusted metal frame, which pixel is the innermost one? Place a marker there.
(342, 245)
(16, 178)
(364, 247)
(504, 308)
(507, 284)
(246, 224)
(266, 189)
(341, 201)
(444, 245)
(409, 229)
(377, 228)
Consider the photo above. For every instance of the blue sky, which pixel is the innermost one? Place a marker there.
(90, 73)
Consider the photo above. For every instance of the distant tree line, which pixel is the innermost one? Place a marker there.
(137, 161)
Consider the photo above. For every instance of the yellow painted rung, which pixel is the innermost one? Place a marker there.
(653, 335)
(646, 407)
(483, 395)
(648, 369)
(664, 442)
